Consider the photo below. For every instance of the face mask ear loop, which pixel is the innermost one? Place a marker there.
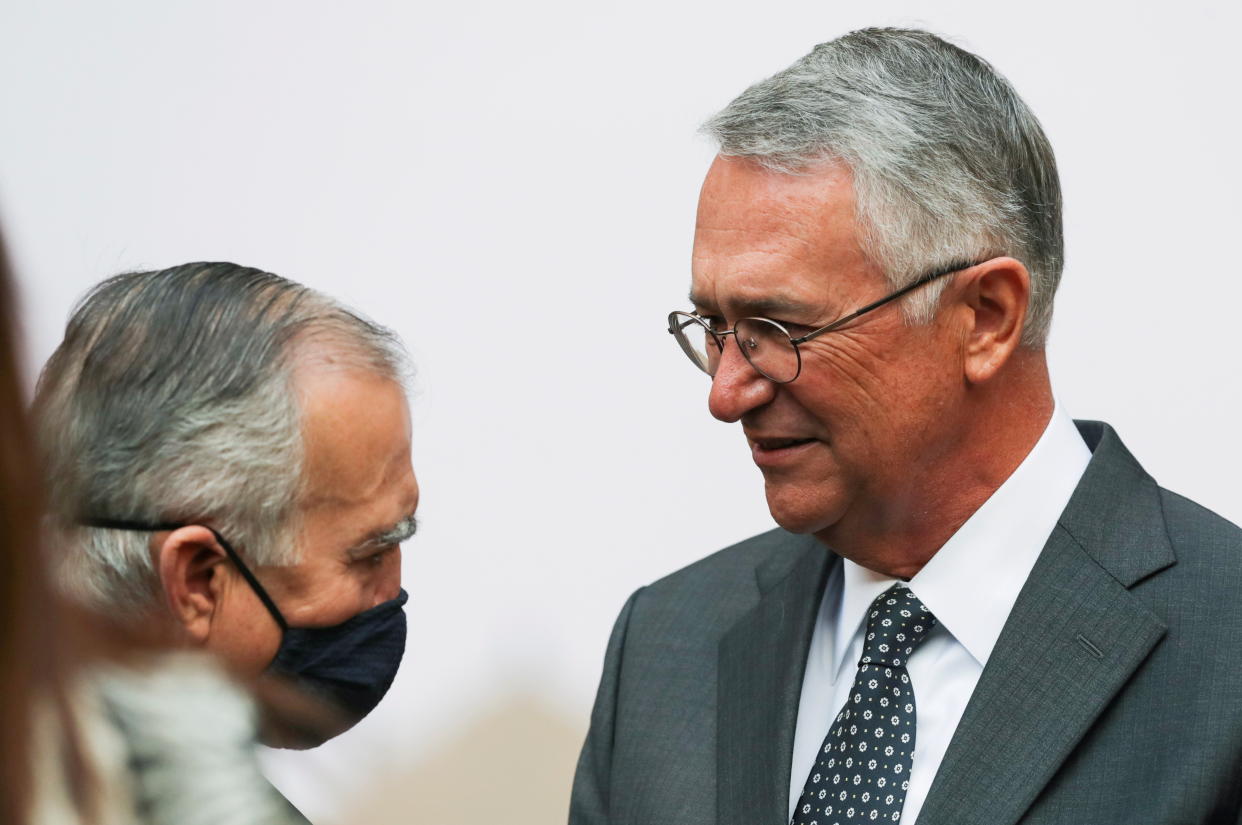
(121, 524)
(251, 580)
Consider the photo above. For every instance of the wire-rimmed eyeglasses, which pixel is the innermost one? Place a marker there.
(766, 344)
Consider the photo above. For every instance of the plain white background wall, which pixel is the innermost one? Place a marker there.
(512, 186)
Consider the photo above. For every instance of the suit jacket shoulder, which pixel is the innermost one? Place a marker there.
(1192, 528)
(703, 594)
(1116, 678)
(651, 752)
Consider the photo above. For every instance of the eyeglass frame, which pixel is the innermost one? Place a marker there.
(719, 335)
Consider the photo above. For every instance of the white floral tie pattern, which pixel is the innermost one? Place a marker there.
(863, 769)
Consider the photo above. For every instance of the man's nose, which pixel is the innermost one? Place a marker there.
(737, 387)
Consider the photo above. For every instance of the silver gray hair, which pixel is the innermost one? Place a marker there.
(949, 166)
(172, 399)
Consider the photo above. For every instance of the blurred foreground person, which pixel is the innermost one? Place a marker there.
(37, 728)
(977, 610)
(229, 455)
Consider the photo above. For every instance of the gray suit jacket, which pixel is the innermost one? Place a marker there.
(1114, 694)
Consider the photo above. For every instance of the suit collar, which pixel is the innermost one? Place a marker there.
(775, 570)
(762, 659)
(1116, 513)
(1074, 637)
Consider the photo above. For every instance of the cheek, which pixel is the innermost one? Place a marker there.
(326, 592)
(877, 383)
(350, 589)
(385, 581)
(848, 396)
(847, 369)
(245, 635)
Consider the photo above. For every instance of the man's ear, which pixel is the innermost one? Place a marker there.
(191, 566)
(995, 295)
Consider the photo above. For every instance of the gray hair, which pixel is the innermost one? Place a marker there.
(949, 165)
(172, 400)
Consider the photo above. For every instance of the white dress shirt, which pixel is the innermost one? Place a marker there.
(970, 586)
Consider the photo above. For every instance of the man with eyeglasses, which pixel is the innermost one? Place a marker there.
(976, 610)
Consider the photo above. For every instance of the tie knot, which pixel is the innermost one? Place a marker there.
(897, 622)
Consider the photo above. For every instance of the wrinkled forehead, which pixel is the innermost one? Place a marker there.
(768, 236)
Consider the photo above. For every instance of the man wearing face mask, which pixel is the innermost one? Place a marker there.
(229, 455)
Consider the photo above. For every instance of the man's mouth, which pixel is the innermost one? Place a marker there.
(773, 453)
(780, 443)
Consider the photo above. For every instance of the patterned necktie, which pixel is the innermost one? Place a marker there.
(862, 772)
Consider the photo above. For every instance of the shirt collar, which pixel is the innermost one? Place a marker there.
(972, 582)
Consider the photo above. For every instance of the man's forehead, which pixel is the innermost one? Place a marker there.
(743, 182)
(772, 243)
(354, 425)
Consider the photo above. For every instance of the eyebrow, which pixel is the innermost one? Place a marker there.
(403, 530)
(760, 307)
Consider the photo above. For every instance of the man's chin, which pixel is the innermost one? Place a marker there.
(800, 512)
(288, 718)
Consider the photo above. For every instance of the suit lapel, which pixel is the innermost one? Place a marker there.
(762, 659)
(1074, 637)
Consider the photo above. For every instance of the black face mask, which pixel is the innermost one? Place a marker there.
(348, 667)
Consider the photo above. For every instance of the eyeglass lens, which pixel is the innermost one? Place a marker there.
(694, 339)
(767, 347)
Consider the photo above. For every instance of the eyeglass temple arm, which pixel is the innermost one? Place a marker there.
(926, 279)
